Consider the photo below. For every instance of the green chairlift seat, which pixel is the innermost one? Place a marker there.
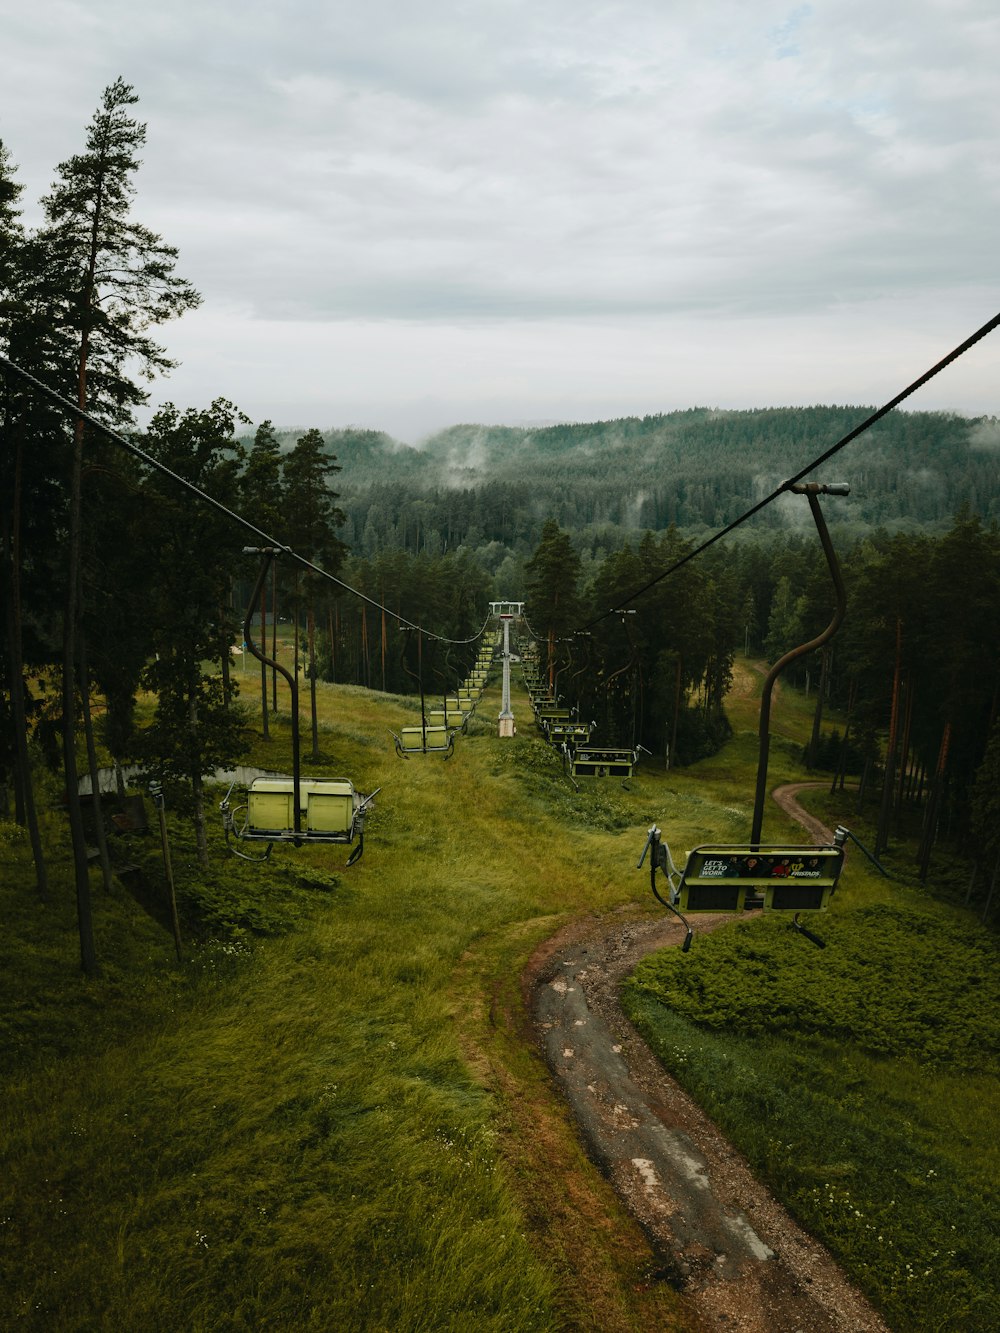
(330, 810)
(603, 761)
(424, 740)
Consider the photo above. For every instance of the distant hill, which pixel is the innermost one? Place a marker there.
(698, 469)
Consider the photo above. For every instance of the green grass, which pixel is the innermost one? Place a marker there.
(290, 1129)
(332, 1114)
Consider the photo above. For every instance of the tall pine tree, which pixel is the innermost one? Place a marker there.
(105, 280)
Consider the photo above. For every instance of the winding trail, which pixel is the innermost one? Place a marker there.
(721, 1237)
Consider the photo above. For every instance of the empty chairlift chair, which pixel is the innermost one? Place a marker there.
(331, 810)
(292, 809)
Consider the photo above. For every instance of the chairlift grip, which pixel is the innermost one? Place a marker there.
(654, 832)
(820, 487)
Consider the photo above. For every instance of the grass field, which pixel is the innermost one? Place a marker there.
(330, 1114)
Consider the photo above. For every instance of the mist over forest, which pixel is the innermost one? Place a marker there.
(608, 482)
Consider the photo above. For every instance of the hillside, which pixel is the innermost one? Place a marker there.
(700, 468)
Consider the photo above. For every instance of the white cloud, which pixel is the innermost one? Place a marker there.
(458, 191)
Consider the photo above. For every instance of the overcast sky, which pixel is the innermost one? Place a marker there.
(406, 214)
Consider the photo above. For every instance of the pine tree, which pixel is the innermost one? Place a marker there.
(104, 280)
(550, 582)
(14, 752)
(193, 730)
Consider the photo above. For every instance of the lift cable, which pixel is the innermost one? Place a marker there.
(267, 541)
(786, 485)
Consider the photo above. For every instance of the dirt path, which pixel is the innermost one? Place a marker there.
(786, 797)
(723, 1239)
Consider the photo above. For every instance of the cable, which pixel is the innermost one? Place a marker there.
(761, 504)
(265, 539)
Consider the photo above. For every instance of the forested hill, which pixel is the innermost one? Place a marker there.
(698, 468)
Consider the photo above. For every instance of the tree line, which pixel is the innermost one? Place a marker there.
(610, 481)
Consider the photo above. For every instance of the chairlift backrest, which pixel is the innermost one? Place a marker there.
(603, 761)
(452, 719)
(328, 806)
(560, 731)
(721, 878)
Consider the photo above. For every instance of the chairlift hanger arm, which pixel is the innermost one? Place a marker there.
(660, 859)
(269, 553)
(811, 490)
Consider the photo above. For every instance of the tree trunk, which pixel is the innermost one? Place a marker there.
(274, 636)
(841, 772)
(12, 571)
(888, 780)
(677, 713)
(331, 621)
(198, 792)
(904, 762)
(226, 663)
(383, 642)
(95, 777)
(85, 923)
(863, 785)
(314, 718)
(934, 804)
(818, 711)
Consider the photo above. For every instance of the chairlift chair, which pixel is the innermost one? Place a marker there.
(604, 761)
(292, 809)
(731, 877)
(784, 877)
(329, 810)
(424, 740)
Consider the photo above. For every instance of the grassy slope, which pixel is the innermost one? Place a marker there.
(343, 1127)
(290, 1136)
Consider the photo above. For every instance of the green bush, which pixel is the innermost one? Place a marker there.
(869, 987)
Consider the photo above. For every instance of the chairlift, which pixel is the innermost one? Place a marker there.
(424, 740)
(329, 810)
(732, 877)
(559, 731)
(429, 737)
(292, 809)
(605, 761)
(780, 878)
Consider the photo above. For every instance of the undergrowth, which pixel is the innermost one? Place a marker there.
(869, 987)
(861, 1084)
